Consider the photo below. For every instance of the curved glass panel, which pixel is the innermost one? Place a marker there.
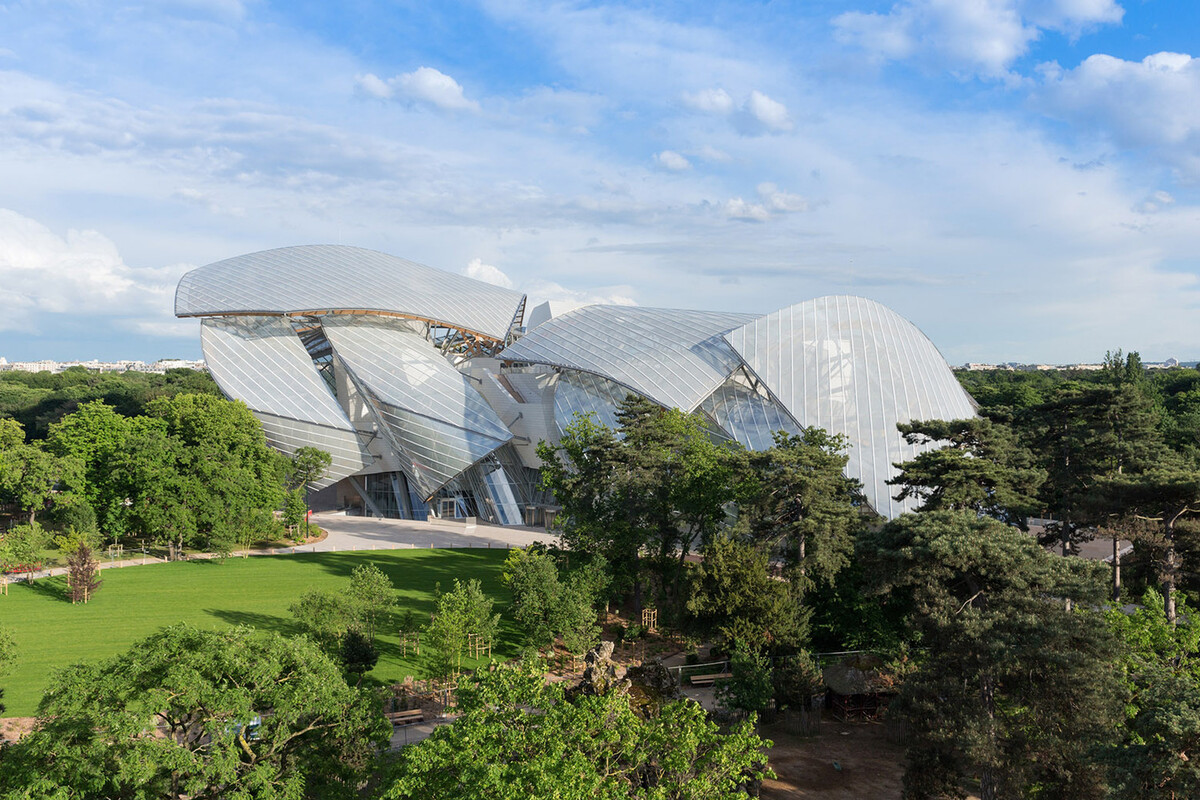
(854, 367)
(749, 418)
(675, 358)
(583, 393)
(332, 277)
(261, 361)
(404, 370)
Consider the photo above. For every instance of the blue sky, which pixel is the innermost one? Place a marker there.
(1017, 177)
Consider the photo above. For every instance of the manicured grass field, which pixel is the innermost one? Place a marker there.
(136, 601)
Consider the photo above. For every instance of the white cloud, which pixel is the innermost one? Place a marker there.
(710, 101)
(779, 201)
(374, 86)
(766, 114)
(1153, 103)
(982, 37)
(1157, 201)
(424, 84)
(737, 208)
(709, 153)
(540, 291)
(44, 276)
(487, 273)
(669, 159)
(771, 201)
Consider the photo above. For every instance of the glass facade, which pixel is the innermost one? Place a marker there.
(377, 360)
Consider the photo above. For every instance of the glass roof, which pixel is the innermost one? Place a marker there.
(854, 367)
(261, 361)
(675, 358)
(316, 278)
(403, 369)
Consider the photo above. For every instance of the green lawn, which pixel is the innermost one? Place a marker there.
(136, 601)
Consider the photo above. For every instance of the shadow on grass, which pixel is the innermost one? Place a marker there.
(53, 587)
(253, 619)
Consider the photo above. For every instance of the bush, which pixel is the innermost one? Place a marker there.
(691, 658)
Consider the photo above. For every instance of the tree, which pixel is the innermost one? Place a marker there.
(658, 483)
(294, 509)
(464, 611)
(22, 546)
(1155, 756)
(735, 596)
(358, 654)
(979, 466)
(82, 573)
(520, 737)
(796, 498)
(1165, 495)
(31, 478)
(548, 606)
(199, 714)
(308, 465)
(371, 597)
(1013, 686)
(8, 658)
(358, 607)
(751, 686)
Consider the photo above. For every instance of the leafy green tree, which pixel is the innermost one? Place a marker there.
(659, 483)
(1014, 686)
(294, 508)
(360, 606)
(520, 737)
(795, 679)
(795, 498)
(308, 465)
(1166, 495)
(31, 478)
(461, 612)
(324, 616)
(371, 597)
(8, 659)
(357, 653)
(547, 605)
(979, 466)
(198, 714)
(23, 545)
(751, 686)
(735, 596)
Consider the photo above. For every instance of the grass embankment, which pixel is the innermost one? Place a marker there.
(136, 601)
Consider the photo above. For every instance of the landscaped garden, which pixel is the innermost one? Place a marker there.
(135, 602)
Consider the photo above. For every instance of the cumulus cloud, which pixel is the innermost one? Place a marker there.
(981, 37)
(541, 291)
(43, 275)
(1153, 103)
(710, 101)
(423, 85)
(758, 113)
(710, 153)
(1157, 201)
(770, 202)
(669, 159)
(487, 273)
(762, 114)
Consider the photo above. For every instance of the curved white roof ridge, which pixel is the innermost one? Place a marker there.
(853, 366)
(332, 278)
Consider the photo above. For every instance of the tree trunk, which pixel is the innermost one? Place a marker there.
(987, 775)
(1170, 571)
(1116, 562)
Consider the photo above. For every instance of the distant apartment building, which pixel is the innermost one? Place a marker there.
(158, 367)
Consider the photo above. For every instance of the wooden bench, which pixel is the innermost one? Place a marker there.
(709, 679)
(401, 718)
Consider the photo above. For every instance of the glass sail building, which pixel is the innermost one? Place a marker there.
(431, 397)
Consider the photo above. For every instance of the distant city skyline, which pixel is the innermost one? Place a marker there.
(1018, 178)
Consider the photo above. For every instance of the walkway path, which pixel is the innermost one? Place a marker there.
(367, 533)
